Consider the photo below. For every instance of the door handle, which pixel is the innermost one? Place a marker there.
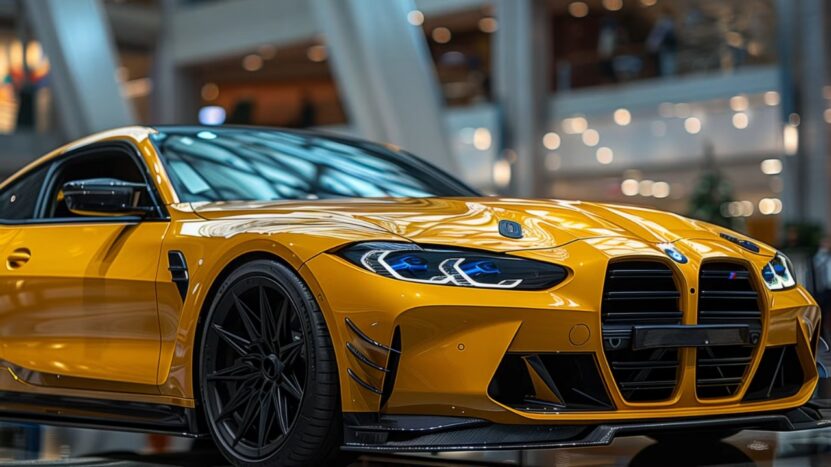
(18, 258)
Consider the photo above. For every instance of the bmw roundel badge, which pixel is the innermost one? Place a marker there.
(673, 253)
(510, 229)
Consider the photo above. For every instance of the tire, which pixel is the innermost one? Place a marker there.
(267, 376)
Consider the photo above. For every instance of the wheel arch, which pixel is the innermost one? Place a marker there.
(215, 285)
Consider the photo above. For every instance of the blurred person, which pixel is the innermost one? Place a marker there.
(662, 44)
(608, 41)
(307, 113)
(243, 113)
(822, 282)
(798, 249)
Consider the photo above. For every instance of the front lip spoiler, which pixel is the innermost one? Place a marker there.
(413, 433)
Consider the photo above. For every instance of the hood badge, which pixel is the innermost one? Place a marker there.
(510, 229)
(673, 253)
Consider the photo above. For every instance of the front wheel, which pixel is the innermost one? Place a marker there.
(267, 375)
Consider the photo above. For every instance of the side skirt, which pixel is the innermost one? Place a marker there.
(99, 413)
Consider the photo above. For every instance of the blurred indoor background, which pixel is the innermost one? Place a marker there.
(717, 109)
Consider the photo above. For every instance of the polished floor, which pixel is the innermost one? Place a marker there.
(749, 448)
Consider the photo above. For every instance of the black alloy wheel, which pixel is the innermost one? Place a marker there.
(267, 373)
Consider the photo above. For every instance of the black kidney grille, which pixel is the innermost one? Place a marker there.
(640, 293)
(726, 296)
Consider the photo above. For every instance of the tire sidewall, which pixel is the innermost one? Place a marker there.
(308, 311)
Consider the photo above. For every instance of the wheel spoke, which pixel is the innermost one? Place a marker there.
(281, 406)
(232, 373)
(234, 403)
(238, 343)
(292, 386)
(282, 320)
(267, 325)
(264, 419)
(286, 350)
(246, 421)
(245, 315)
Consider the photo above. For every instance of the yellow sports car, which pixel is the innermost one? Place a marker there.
(290, 294)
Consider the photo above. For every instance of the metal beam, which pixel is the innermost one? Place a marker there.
(76, 38)
(226, 28)
(212, 30)
(386, 75)
(521, 80)
(175, 93)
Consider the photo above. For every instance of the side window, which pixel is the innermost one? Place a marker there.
(19, 199)
(103, 163)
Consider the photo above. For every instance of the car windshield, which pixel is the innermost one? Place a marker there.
(244, 164)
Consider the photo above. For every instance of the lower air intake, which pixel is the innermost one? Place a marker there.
(779, 375)
(544, 382)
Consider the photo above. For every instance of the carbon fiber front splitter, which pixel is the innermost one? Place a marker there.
(369, 432)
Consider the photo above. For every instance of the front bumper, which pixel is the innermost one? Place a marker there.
(452, 340)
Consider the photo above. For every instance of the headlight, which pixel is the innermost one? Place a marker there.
(778, 274)
(412, 263)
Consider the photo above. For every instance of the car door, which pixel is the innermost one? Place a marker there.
(78, 291)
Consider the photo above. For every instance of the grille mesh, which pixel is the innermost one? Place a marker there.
(726, 296)
(640, 293)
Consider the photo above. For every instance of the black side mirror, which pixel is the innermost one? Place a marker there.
(106, 197)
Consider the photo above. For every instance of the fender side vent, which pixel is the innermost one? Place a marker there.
(178, 268)
(392, 367)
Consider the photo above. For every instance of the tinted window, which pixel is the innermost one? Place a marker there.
(251, 164)
(19, 199)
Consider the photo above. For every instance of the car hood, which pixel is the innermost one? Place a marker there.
(474, 222)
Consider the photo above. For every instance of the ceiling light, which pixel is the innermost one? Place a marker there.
(613, 5)
(575, 125)
(415, 17)
(740, 120)
(622, 117)
(738, 103)
(252, 62)
(488, 25)
(591, 137)
(551, 141)
(605, 155)
(482, 139)
(210, 91)
(317, 53)
(442, 35)
(629, 187)
(501, 173)
(790, 140)
(660, 190)
(692, 125)
(578, 9)
(771, 98)
(645, 187)
(771, 166)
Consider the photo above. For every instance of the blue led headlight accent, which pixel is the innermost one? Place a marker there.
(461, 268)
(778, 274)
(479, 267)
(410, 263)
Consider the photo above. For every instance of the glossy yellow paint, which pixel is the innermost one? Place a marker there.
(93, 311)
